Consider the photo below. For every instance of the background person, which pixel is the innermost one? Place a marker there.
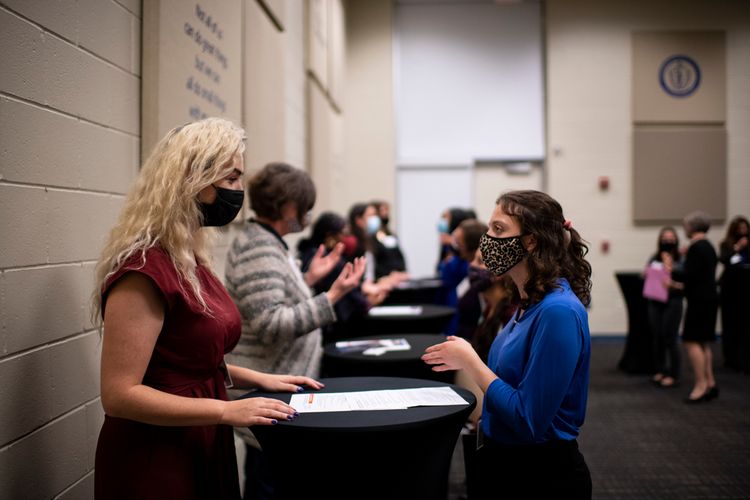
(468, 307)
(536, 379)
(387, 253)
(351, 310)
(734, 286)
(281, 319)
(664, 317)
(702, 299)
(167, 324)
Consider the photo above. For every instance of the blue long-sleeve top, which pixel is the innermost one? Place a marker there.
(542, 364)
(451, 272)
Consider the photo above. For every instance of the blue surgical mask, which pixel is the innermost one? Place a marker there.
(442, 226)
(373, 224)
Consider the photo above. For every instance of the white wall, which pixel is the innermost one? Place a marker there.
(368, 170)
(69, 115)
(589, 125)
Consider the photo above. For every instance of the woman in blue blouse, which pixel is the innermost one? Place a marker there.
(537, 376)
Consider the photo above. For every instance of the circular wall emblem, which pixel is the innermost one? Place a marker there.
(679, 76)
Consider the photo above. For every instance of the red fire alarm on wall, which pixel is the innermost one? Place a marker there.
(603, 182)
(605, 246)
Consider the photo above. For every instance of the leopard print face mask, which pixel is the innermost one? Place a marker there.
(501, 254)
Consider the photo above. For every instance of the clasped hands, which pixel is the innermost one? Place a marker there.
(453, 354)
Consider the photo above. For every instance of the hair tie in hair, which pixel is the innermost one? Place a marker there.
(568, 224)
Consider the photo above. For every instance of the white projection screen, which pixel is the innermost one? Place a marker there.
(469, 82)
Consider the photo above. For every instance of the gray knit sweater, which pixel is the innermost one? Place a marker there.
(281, 319)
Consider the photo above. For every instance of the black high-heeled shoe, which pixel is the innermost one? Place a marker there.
(700, 399)
(712, 393)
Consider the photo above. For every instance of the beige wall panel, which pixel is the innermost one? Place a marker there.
(53, 72)
(61, 17)
(109, 159)
(84, 488)
(264, 86)
(106, 30)
(190, 69)
(133, 6)
(62, 292)
(50, 226)
(317, 40)
(46, 462)
(590, 115)
(320, 136)
(651, 103)
(82, 85)
(27, 58)
(678, 170)
(72, 154)
(24, 213)
(336, 52)
(276, 12)
(78, 224)
(295, 79)
(63, 376)
(369, 135)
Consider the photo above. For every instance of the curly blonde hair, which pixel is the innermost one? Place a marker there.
(162, 208)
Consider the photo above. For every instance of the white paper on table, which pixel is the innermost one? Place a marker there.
(396, 311)
(373, 347)
(395, 399)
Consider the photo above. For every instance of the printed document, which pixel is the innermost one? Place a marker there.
(373, 347)
(396, 311)
(395, 399)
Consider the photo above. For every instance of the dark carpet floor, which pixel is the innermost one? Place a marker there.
(643, 442)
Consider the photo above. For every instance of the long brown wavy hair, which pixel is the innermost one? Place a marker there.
(559, 252)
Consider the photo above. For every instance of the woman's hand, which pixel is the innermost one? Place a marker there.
(453, 354)
(741, 243)
(348, 280)
(256, 411)
(321, 265)
(287, 383)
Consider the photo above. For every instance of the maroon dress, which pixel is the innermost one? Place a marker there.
(137, 460)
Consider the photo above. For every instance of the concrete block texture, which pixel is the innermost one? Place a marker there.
(47, 462)
(43, 384)
(44, 147)
(23, 224)
(50, 226)
(103, 27)
(83, 489)
(55, 73)
(44, 304)
(132, 6)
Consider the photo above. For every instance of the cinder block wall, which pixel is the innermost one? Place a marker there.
(70, 122)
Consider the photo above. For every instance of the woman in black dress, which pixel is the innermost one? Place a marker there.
(734, 284)
(702, 306)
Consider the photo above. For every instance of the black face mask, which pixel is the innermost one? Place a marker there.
(667, 246)
(385, 221)
(225, 207)
(480, 279)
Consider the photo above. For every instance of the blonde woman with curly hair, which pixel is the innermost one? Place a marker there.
(167, 323)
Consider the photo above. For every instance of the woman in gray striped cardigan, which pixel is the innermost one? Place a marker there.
(281, 319)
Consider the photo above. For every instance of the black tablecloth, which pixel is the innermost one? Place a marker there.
(391, 364)
(432, 319)
(417, 291)
(638, 354)
(391, 454)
